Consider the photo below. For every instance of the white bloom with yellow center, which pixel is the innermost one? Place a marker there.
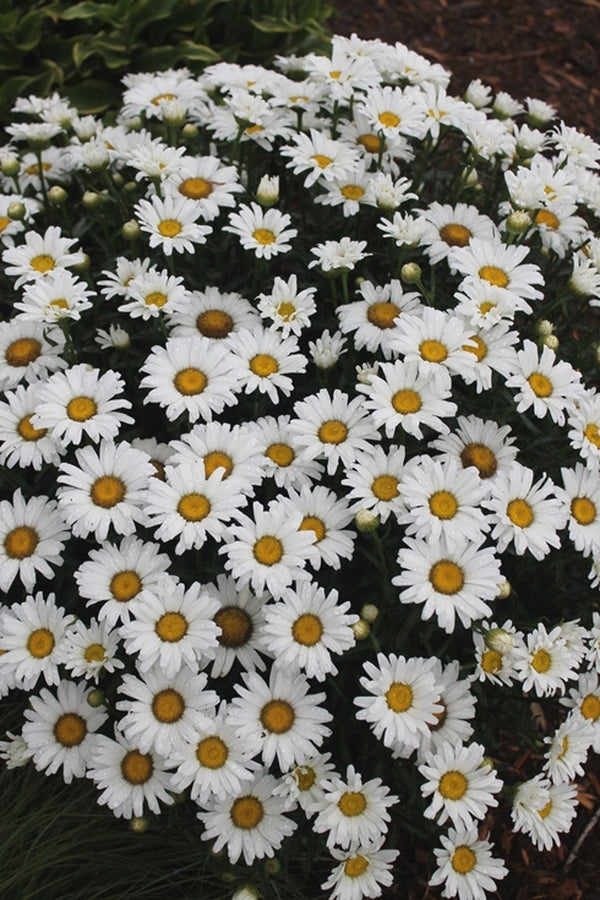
(447, 226)
(130, 781)
(306, 628)
(29, 351)
(171, 627)
(233, 449)
(460, 784)
(353, 812)
(250, 823)
(154, 292)
(326, 515)
(171, 223)
(450, 581)
(543, 810)
(60, 731)
(320, 156)
(393, 111)
(499, 264)
(568, 749)
(402, 700)
(289, 309)
(31, 635)
(279, 719)
(39, 255)
(544, 662)
(494, 653)
(584, 701)
(480, 443)
(212, 313)
(350, 190)
(266, 232)
(32, 539)
(302, 786)
(240, 620)
(374, 318)
(206, 181)
(545, 383)
(361, 871)
(21, 444)
(265, 361)
(117, 283)
(375, 482)
(434, 339)
(492, 348)
(584, 425)
(282, 458)
(60, 295)
(89, 650)
(465, 865)
(483, 305)
(453, 724)
(581, 497)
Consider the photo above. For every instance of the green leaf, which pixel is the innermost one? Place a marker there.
(169, 55)
(92, 96)
(104, 12)
(272, 25)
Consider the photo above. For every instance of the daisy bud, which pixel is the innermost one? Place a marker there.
(16, 210)
(131, 230)
(91, 199)
(10, 166)
(551, 341)
(267, 192)
(361, 630)
(248, 892)
(544, 327)
(130, 186)
(82, 266)
(174, 112)
(504, 590)
(57, 195)
(597, 353)
(95, 698)
(139, 824)
(499, 639)
(366, 521)
(118, 180)
(411, 273)
(365, 372)
(189, 131)
(518, 222)
(369, 612)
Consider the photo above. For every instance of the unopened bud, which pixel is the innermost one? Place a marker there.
(267, 192)
(10, 166)
(91, 199)
(518, 222)
(504, 591)
(189, 131)
(95, 698)
(131, 230)
(551, 341)
(57, 195)
(361, 630)
(544, 327)
(16, 210)
(366, 521)
(499, 639)
(411, 273)
(369, 612)
(139, 824)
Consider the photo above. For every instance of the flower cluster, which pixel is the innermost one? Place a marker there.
(300, 434)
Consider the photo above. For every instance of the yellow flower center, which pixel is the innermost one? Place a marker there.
(195, 188)
(352, 803)
(22, 352)
(385, 487)
(193, 507)
(352, 192)
(160, 97)
(455, 235)
(494, 275)
(156, 298)
(383, 314)
(168, 706)
(481, 457)
(107, 491)
(169, 227)
(313, 523)
(4, 222)
(70, 729)
(335, 74)
(520, 513)
(491, 661)
(136, 767)
(94, 653)
(212, 752)
(333, 432)
(590, 707)
(399, 697)
(583, 510)
(463, 860)
(253, 129)
(540, 384)
(406, 402)
(433, 351)
(286, 311)
(190, 382)
(443, 504)
(125, 585)
(268, 550)
(305, 777)
(214, 323)
(246, 812)
(171, 627)
(321, 160)
(59, 303)
(480, 349)
(277, 716)
(281, 454)
(216, 459)
(371, 142)
(40, 643)
(307, 630)
(389, 119)
(592, 434)
(264, 236)
(263, 365)
(545, 811)
(42, 263)
(547, 218)
(356, 866)
(236, 626)
(80, 409)
(446, 577)
(34, 168)
(541, 661)
(21, 542)
(486, 306)
(453, 785)
(26, 430)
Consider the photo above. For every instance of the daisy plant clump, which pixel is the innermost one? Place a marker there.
(300, 447)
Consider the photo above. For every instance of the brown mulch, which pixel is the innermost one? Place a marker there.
(549, 49)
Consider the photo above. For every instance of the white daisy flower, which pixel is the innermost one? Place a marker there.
(581, 497)
(279, 719)
(240, 620)
(353, 812)
(60, 295)
(163, 713)
(234, 449)
(170, 627)
(154, 292)
(480, 443)
(116, 574)
(525, 513)
(32, 539)
(460, 784)
(402, 700)
(282, 458)
(543, 810)
(289, 309)
(405, 397)
(325, 514)
(499, 264)
(39, 255)
(60, 730)
(117, 283)
(466, 866)
(584, 701)
(31, 634)
(266, 232)
(375, 482)
(494, 653)
(434, 339)
(265, 362)
(319, 156)
(82, 402)
(190, 375)
(349, 190)
(492, 348)
(332, 427)
(484, 305)
(326, 350)
(130, 781)
(212, 313)
(361, 871)
(302, 786)
(250, 823)
(306, 628)
(14, 751)
(106, 489)
(22, 444)
(584, 425)
(374, 318)
(453, 725)
(206, 181)
(89, 650)
(393, 111)
(544, 662)
(545, 383)
(214, 765)
(568, 749)
(29, 350)
(171, 223)
(332, 256)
